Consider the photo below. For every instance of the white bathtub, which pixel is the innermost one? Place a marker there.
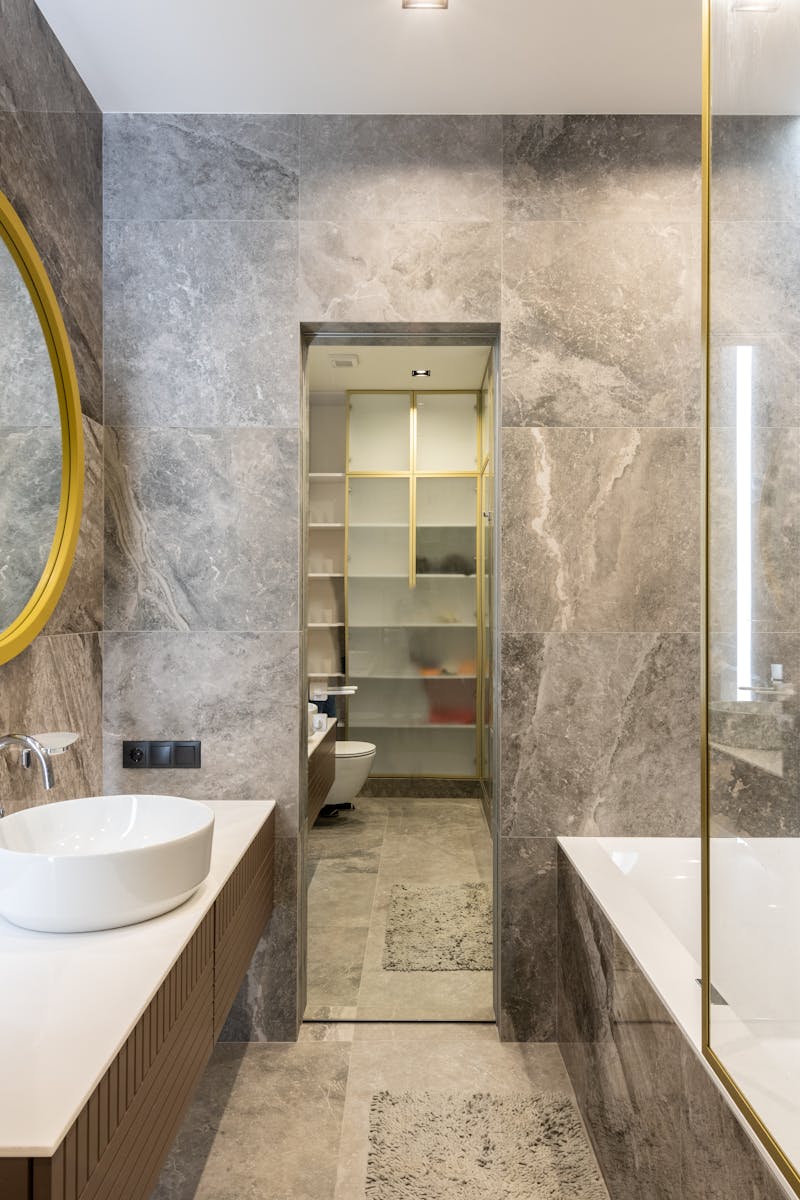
(650, 890)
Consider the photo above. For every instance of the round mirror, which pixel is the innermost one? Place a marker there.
(41, 444)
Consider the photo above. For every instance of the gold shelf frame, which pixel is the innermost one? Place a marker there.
(776, 1152)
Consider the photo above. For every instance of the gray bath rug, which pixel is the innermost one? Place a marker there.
(439, 928)
(437, 1146)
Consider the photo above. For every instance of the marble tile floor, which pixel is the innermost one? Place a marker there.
(290, 1121)
(353, 861)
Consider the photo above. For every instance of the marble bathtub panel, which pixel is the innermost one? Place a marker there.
(755, 267)
(756, 168)
(237, 692)
(601, 323)
(202, 529)
(775, 528)
(230, 166)
(775, 391)
(55, 684)
(269, 1007)
(601, 167)
(527, 939)
(401, 168)
(720, 1160)
(201, 323)
(601, 529)
(80, 608)
(265, 1121)
(621, 1050)
(367, 270)
(50, 170)
(604, 738)
(35, 73)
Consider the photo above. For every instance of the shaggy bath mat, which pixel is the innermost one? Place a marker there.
(433, 1146)
(439, 928)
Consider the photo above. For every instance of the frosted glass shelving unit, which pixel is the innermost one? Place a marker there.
(411, 590)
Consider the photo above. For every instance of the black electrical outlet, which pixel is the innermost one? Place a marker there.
(159, 755)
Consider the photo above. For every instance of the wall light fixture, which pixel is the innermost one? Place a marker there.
(424, 3)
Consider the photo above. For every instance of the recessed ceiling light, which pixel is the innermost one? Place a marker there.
(755, 6)
(424, 3)
(420, 371)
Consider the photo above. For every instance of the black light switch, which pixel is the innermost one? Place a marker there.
(187, 754)
(161, 755)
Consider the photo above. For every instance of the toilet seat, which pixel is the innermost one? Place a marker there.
(354, 749)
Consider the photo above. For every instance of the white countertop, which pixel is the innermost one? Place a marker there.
(68, 1001)
(316, 738)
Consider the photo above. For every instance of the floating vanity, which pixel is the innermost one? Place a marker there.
(104, 1036)
(321, 768)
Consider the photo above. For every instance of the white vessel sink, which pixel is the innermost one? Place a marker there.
(102, 861)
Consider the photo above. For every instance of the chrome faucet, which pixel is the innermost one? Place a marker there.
(29, 746)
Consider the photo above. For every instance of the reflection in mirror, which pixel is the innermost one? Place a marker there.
(30, 445)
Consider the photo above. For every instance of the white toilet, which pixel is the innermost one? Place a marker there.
(353, 764)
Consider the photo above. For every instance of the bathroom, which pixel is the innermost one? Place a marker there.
(198, 240)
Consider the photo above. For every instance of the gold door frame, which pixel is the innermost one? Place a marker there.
(787, 1168)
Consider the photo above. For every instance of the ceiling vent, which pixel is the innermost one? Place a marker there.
(344, 360)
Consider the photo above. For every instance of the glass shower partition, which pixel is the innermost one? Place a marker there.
(751, 932)
(412, 582)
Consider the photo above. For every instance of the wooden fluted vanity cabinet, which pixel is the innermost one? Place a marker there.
(115, 1148)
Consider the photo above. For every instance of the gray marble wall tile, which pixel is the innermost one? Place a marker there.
(80, 608)
(368, 270)
(601, 735)
(269, 1006)
(756, 168)
(55, 684)
(237, 692)
(201, 323)
(775, 528)
(600, 529)
(202, 529)
(205, 165)
(601, 167)
(601, 323)
(756, 265)
(35, 73)
(527, 939)
(51, 171)
(401, 168)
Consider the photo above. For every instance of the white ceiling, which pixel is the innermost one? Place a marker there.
(390, 367)
(371, 56)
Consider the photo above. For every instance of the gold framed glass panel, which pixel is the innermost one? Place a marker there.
(751, 747)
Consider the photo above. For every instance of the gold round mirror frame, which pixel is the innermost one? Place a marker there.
(30, 622)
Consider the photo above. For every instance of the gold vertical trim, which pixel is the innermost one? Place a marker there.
(775, 1151)
(412, 518)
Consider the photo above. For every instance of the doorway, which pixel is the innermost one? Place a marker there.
(400, 665)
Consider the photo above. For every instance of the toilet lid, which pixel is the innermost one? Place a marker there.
(354, 749)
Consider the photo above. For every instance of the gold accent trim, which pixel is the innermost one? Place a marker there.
(784, 1164)
(34, 616)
